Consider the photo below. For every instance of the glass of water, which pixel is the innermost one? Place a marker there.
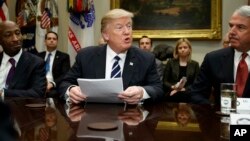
(228, 98)
(225, 127)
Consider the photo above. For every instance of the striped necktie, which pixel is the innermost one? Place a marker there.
(116, 69)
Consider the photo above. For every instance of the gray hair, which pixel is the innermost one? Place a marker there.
(243, 11)
(114, 14)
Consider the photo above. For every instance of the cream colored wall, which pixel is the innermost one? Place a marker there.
(200, 48)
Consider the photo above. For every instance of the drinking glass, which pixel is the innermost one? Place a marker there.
(225, 127)
(228, 98)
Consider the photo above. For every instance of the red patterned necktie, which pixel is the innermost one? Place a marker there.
(242, 74)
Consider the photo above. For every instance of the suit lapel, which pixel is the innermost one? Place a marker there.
(43, 55)
(227, 65)
(190, 69)
(100, 62)
(129, 67)
(246, 92)
(20, 69)
(57, 57)
(176, 68)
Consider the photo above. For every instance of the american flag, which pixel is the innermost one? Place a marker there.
(45, 19)
(3, 11)
(21, 18)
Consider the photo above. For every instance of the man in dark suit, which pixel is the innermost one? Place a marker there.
(27, 75)
(221, 66)
(145, 43)
(59, 64)
(136, 67)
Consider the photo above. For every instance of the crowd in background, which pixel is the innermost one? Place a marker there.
(176, 70)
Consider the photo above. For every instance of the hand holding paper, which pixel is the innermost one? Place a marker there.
(132, 95)
(181, 83)
(75, 95)
(101, 90)
(179, 86)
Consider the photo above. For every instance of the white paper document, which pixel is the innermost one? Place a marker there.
(243, 105)
(101, 90)
(239, 119)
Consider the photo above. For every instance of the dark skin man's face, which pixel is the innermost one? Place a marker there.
(10, 38)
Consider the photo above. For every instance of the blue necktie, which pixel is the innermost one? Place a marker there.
(47, 63)
(11, 71)
(116, 70)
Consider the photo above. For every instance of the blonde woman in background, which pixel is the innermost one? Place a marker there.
(180, 72)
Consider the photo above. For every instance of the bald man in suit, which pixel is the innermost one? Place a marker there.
(28, 78)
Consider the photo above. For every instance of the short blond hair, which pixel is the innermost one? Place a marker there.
(114, 14)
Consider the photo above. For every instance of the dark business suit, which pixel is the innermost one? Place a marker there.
(61, 65)
(172, 76)
(217, 68)
(159, 67)
(139, 70)
(29, 79)
(146, 128)
(172, 72)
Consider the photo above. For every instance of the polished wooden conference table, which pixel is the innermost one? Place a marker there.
(43, 120)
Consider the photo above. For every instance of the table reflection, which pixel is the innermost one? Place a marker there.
(132, 115)
(40, 120)
(55, 120)
(183, 114)
(225, 128)
(7, 130)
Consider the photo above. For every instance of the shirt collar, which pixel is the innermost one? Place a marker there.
(111, 54)
(52, 53)
(238, 54)
(6, 57)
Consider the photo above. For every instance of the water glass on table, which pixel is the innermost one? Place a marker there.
(228, 98)
(225, 127)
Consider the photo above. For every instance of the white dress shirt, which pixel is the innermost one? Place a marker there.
(110, 54)
(5, 67)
